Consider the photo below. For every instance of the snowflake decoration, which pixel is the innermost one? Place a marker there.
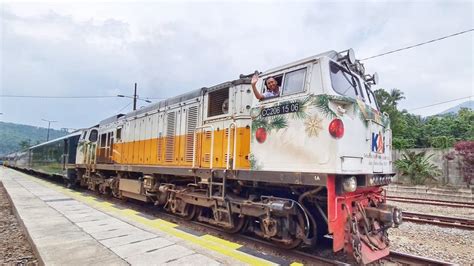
(313, 126)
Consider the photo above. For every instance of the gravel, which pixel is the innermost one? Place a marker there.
(449, 244)
(14, 246)
(433, 209)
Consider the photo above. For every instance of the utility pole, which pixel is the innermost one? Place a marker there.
(135, 98)
(49, 126)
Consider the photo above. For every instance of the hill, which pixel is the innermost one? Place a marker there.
(455, 109)
(11, 135)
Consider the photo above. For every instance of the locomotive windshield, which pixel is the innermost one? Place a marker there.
(344, 82)
(371, 98)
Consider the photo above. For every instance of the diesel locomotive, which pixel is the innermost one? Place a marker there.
(289, 169)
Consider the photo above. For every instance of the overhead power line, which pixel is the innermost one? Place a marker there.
(121, 109)
(441, 103)
(419, 44)
(55, 97)
(66, 97)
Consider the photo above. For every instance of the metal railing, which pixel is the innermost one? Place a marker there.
(231, 125)
(212, 144)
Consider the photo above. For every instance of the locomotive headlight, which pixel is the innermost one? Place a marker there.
(349, 184)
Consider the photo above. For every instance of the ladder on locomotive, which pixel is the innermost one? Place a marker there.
(89, 158)
(220, 196)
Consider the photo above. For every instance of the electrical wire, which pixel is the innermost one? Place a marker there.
(55, 97)
(367, 58)
(440, 103)
(124, 107)
(71, 97)
(419, 44)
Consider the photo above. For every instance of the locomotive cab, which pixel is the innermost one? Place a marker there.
(86, 147)
(326, 124)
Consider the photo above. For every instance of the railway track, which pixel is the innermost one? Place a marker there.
(456, 204)
(311, 257)
(446, 221)
(408, 259)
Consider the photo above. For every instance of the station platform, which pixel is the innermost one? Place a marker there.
(70, 227)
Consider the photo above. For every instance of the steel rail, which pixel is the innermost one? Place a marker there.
(394, 256)
(447, 221)
(152, 211)
(409, 259)
(458, 204)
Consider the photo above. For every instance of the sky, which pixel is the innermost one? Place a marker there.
(95, 48)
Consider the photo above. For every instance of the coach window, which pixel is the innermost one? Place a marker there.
(294, 82)
(93, 136)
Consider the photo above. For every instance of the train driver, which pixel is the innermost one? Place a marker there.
(273, 90)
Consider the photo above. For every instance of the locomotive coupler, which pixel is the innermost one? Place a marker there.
(367, 237)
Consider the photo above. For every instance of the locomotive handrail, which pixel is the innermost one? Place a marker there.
(233, 124)
(212, 144)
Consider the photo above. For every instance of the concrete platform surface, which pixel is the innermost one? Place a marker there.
(67, 227)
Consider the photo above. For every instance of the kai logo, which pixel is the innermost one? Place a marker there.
(378, 142)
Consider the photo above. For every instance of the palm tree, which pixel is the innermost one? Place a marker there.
(416, 167)
(388, 101)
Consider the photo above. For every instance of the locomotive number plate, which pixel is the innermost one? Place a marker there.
(281, 109)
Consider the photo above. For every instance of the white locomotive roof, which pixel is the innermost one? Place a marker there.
(244, 79)
(330, 54)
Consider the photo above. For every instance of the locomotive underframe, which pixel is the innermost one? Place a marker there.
(300, 210)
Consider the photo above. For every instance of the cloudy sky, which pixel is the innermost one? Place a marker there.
(101, 49)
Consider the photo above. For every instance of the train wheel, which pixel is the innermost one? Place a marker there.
(189, 212)
(286, 233)
(239, 223)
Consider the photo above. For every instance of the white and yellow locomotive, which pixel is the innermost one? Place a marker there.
(290, 169)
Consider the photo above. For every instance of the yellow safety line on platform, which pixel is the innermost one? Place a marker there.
(222, 241)
(296, 264)
(219, 245)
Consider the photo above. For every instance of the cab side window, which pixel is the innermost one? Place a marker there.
(93, 135)
(279, 80)
(294, 81)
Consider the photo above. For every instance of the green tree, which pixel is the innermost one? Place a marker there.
(388, 102)
(413, 131)
(25, 144)
(416, 167)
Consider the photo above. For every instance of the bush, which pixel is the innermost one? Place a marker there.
(416, 167)
(465, 149)
(401, 143)
(442, 142)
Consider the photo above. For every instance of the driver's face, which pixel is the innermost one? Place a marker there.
(272, 84)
